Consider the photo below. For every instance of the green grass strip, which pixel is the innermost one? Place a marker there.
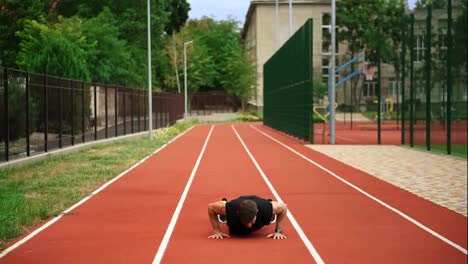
(33, 193)
(458, 150)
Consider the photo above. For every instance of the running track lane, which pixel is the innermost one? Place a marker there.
(227, 171)
(346, 226)
(125, 222)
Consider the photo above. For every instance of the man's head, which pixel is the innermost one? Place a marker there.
(247, 212)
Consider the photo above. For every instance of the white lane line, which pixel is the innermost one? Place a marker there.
(175, 216)
(419, 224)
(347, 139)
(55, 219)
(291, 218)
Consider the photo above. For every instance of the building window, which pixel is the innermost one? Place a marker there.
(419, 48)
(369, 89)
(393, 89)
(326, 35)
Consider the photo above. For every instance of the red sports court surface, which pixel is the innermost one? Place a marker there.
(157, 211)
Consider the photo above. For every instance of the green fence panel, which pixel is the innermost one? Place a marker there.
(287, 84)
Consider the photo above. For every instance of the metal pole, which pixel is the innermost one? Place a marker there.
(185, 79)
(379, 83)
(331, 96)
(449, 77)
(150, 103)
(277, 26)
(175, 63)
(411, 69)
(428, 76)
(403, 79)
(290, 18)
(6, 115)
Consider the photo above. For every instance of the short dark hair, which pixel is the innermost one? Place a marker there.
(247, 211)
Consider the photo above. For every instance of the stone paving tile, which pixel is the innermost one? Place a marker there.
(438, 178)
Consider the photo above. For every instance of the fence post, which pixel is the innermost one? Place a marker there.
(60, 112)
(28, 147)
(131, 111)
(5, 114)
(46, 112)
(411, 103)
(379, 82)
(449, 77)
(73, 112)
(145, 111)
(309, 91)
(105, 110)
(138, 108)
(82, 114)
(403, 79)
(428, 76)
(95, 110)
(115, 111)
(124, 111)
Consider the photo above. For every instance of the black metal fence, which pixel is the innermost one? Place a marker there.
(205, 103)
(435, 109)
(41, 113)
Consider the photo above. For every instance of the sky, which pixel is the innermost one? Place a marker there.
(223, 9)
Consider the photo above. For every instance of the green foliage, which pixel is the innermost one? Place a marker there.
(216, 59)
(111, 59)
(58, 50)
(33, 193)
(439, 4)
(359, 23)
(13, 15)
(105, 41)
(178, 15)
(17, 115)
(320, 89)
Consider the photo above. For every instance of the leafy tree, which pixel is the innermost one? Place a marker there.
(359, 22)
(110, 60)
(216, 60)
(59, 50)
(13, 15)
(178, 15)
(439, 4)
(131, 21)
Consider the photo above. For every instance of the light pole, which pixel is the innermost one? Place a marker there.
(290, 18)
(277, 26)
(185, 77)
(150, 99)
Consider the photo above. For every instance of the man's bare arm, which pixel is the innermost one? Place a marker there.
(280, 210)
(215, 209)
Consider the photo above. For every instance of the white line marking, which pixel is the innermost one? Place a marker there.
(293, 221)
(55, 219)
(347, 139)
(175, 216)
(425, 228)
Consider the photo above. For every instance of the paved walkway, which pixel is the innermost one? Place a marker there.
(438, 178)
(339, 116)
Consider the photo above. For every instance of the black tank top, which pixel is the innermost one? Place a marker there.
(264, 215)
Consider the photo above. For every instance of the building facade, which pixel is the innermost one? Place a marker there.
(262, 39)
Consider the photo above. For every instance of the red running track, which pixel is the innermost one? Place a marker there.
(158, 210)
